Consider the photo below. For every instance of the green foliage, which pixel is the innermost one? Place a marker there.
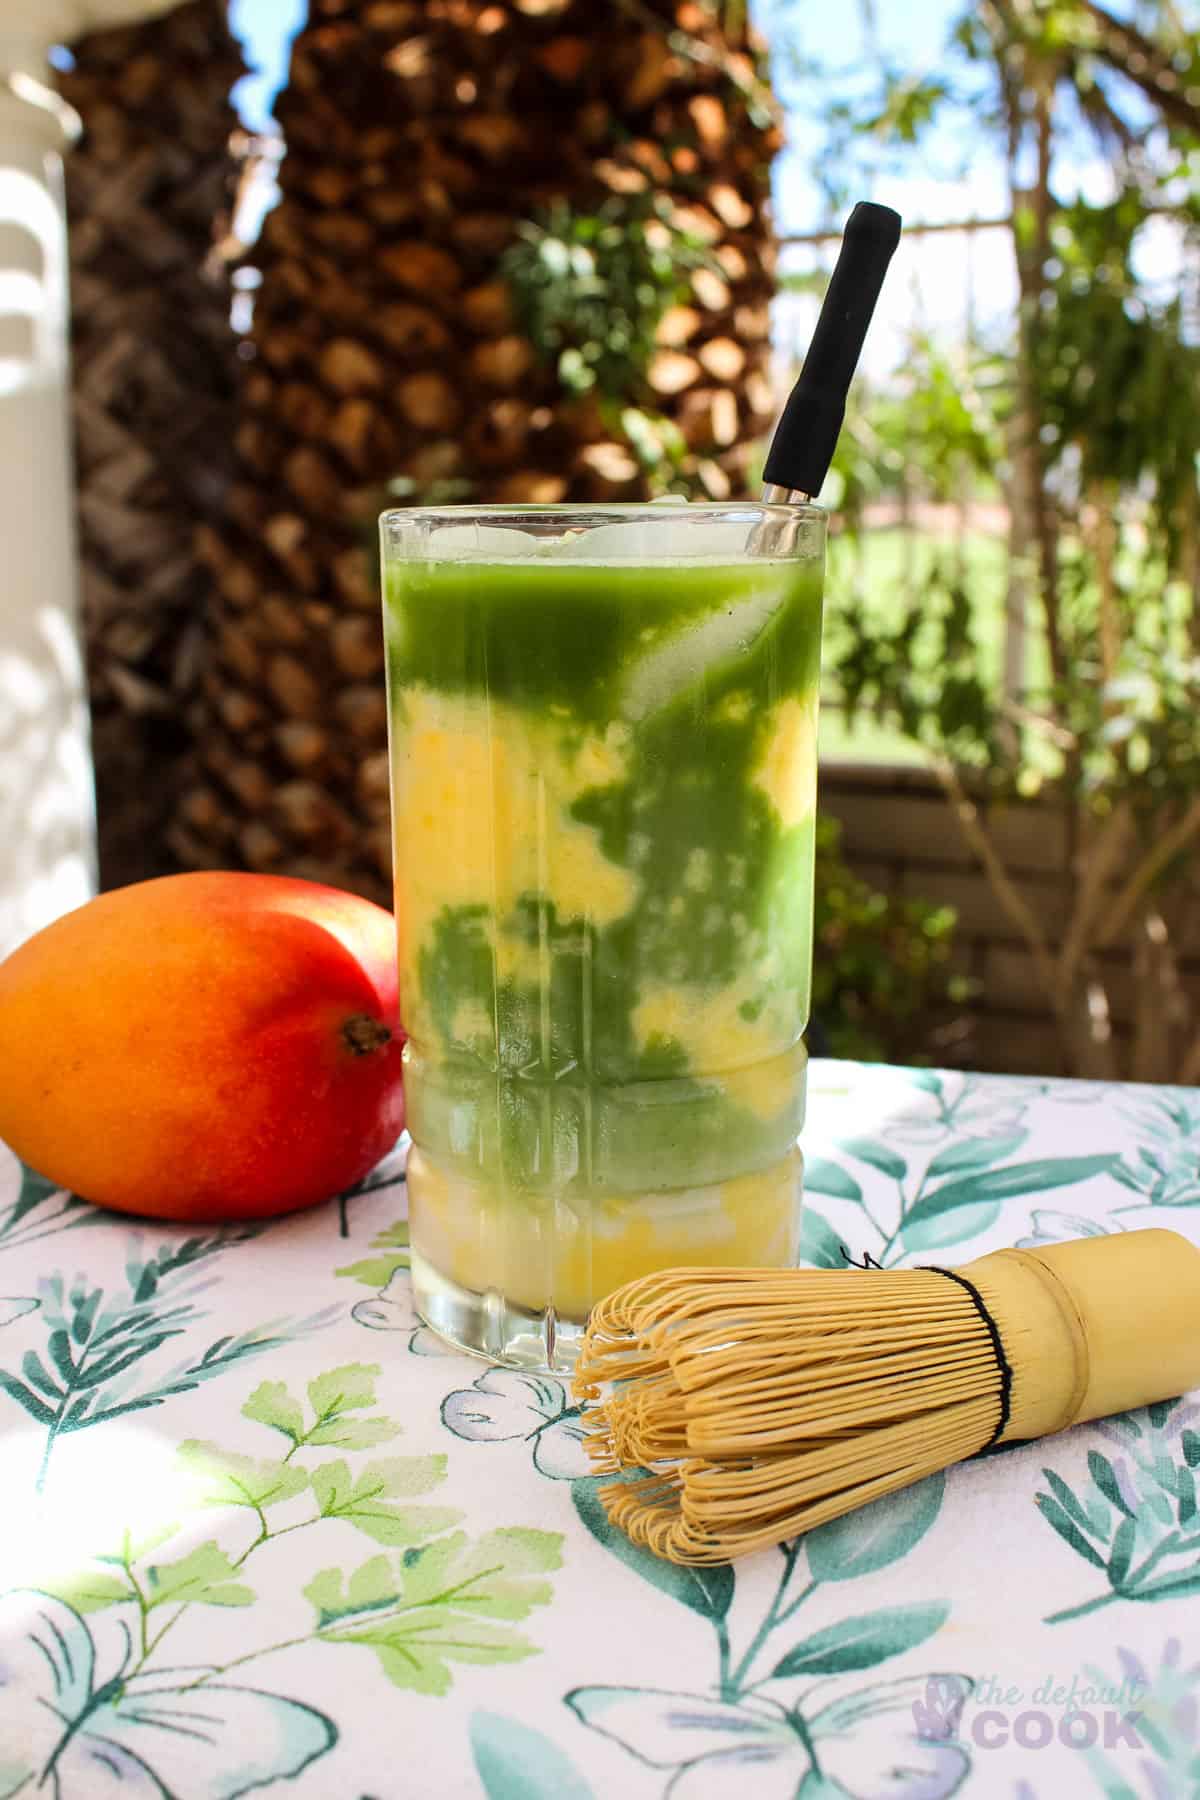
(881, 963)
(923, 672)
(1135, 734)
(657, 443)
(1115, 367)
(589, 289)
(1112, 370)
(935, 429)
(909, 105)
(910, 657)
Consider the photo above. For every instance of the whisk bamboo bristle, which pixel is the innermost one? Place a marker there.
(783, 1399)
(758, 1404)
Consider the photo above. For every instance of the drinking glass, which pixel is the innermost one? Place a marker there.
(603, 729)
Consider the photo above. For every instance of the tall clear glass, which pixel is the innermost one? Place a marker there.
(603, 747)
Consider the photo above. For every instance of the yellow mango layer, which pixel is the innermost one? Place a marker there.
(539, 1251)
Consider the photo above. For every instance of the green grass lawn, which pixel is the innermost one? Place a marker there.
(865, 742)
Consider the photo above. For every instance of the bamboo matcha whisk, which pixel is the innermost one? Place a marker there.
(760, 1403)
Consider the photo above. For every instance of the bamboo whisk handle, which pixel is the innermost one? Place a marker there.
(1093, 1326)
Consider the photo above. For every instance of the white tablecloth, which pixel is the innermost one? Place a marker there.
(263, 1533)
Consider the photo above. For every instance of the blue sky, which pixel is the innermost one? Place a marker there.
(266, 28)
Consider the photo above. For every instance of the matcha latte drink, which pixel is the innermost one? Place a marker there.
(603, 743)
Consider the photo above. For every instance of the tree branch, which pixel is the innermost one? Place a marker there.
(1147, 872)
(1035, 721)
(1102, 859)
(1105, 120)
(1021, 914)
(1139, 59)
(1189, 1073)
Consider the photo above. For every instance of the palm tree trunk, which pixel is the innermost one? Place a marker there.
(388, 361)
(150, 188)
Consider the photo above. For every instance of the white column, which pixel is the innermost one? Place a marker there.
(47, 808)
(47, 824)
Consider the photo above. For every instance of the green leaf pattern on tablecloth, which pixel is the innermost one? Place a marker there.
(400, 1536)
(392, 1246)
(935, 1207)
(64, 1722)
(32, 1208)
(204, 1577)
(863, 1542)
(516, 1763)
(370, 1501)
(824, 1177)
(706, 1591)
(332, 1399)
(967, 1205)
(227, 1478)
(1167, 1714)
(450, 1601)
(1134, 1518)
(712, 1741)
(860, 1643)
(442, 1597)
(820, 1245)
(100, 1355)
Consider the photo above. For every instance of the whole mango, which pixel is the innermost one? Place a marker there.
(205, 1046)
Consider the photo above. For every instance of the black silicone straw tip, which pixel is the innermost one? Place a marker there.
(804, 441)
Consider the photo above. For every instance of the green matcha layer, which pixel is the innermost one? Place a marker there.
(603, 784)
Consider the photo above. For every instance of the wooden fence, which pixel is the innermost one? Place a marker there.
(899, 834)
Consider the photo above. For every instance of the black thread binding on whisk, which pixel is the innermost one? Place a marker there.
(1002, 1362)
(868, 1261)
(993, 1331)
